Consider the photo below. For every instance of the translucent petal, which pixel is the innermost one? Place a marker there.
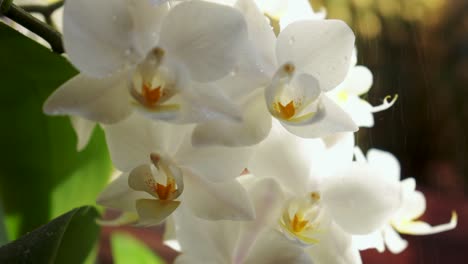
(105, 100)
(140, 177)
(274, 247)
(118, 195)
(132, 141)
(334, 246)
(332, 119)
(227, 200)
(214, 163)
(83, 130)
(154, 212)
(299, 10)
(393, 240)
(358, 201)
(321, 48)
(97, 35)
(423, 228)
(209, 47)
(358, 81)
(385, 163)
(255, 125)
(267, 198)
(260, 32)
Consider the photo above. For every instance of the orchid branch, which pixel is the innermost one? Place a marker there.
(25, 19)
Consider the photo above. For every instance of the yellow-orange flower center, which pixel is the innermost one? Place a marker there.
(298, 224)
(164, 191)
(286, 111)
(152, 96)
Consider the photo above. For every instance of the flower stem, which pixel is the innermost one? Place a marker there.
(20, 16)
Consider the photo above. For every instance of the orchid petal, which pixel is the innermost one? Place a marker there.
(118, 195)
(299, 10)
(358, 81)
(332, 120)
(209, 47)
(373, 240)
(393, 240)
(97, 35)
(214, 163)
(104, 100)
(358, 201)
(260, 32)
(255, 125)
(227, 200)
(423, 228)
(334, 246)
(154, 212)
(274, 247)
(321, 48)
(287, 158)
(267, 198)
(83, 130)
(131, 141)
(219, 238)
(385, 162)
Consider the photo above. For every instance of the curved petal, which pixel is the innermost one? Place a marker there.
(299, 10)
(118, 195)
(322, 48)
(374, 240)
(423, 228)
(147, 21)
(360, 111)
(154, 212)
(140, 177)
(131, 141)
(255, 125)
(209, 47)
(393, 240)
(217, 201)
(332, 120)
(274, 8)
(274, 247)
(267, 198)
(219, 237)
(170, 236)
(260, 32)
(359, 201)
(287, 158)
(104, 100)
(385, 163)
(334, 246)
(359, 80)
(214, 163)
(97, 35)
(83, 130)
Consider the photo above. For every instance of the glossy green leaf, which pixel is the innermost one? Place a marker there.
(41, 173)
(69, 239)
(127, 249)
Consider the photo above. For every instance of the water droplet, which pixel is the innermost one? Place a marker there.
(114, 18)
(292, 39)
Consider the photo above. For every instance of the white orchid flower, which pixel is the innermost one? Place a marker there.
(358, 82)
(134, 55)
(323, 211)
(164, 170)
(404, 220)
(249, 242)
(309, 58)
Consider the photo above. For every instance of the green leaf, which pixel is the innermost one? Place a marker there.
(41, 173)
(69, 239)
(127, 249)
